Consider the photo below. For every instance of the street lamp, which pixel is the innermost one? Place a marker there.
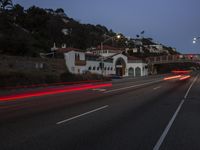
(118, 36)
(195, 40)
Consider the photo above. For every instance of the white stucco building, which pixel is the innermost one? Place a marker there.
(108, 61)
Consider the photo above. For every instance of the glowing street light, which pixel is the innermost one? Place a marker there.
(118, 36)
(195, 40)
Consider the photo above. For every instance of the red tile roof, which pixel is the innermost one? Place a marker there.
(133, 58)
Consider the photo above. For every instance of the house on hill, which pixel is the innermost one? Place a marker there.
(106, 61)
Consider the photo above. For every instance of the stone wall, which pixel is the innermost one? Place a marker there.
(16, 70)
(24, 64)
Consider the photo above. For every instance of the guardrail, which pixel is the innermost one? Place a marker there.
(173, 59)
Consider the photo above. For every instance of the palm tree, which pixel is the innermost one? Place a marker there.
(5, 4)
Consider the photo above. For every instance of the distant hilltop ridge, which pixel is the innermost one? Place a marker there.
(35, 30)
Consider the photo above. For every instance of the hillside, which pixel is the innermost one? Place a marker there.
(35, 30)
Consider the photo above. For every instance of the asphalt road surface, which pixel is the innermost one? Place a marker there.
(132, 114)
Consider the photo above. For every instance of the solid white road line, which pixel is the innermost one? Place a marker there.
(190, 87)
(78, 116)
(158, 87)
(161, 139)
(128, 87)
(164, 134)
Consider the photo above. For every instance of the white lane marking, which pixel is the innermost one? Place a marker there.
(158, 87)
(78, 116)
(161, 139)
(190, 87)
(149, 80)
(164, 134)
(128, 87)
(101, 90)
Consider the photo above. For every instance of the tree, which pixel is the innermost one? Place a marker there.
(60, 11)
(36, 19)
(5, 4)
(18, 14)
(18, 10)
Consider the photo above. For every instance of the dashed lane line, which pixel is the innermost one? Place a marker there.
(128, 87)
(158, 87)
(81, 115)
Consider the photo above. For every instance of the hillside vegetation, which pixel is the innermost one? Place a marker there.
(35, 30)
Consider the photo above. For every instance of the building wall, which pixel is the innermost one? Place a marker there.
(98, 70)
(141, 65)
(106, 53)
(109, 67)
(70, 62)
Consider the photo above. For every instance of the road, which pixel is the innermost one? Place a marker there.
(132, 114)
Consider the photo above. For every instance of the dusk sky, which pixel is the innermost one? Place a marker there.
(170, 22)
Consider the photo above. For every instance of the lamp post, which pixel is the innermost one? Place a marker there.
(195, 39)
(118, 36)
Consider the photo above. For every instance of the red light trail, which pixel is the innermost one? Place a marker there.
(50, 84)
(53, 91)
(181, 71)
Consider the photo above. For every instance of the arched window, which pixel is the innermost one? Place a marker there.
(130, 71)
(89, 68)
(137, 71)
(94, 68)
(75, 56)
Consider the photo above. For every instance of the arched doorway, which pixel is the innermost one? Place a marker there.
(130, 71)
(137, 72)
(120, 67)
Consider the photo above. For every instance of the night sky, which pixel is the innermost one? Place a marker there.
(171, 22)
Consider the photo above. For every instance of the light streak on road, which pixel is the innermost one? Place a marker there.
(172, 77)
(185, 77)
(181, 71)
(51, 84)
(53, 91)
